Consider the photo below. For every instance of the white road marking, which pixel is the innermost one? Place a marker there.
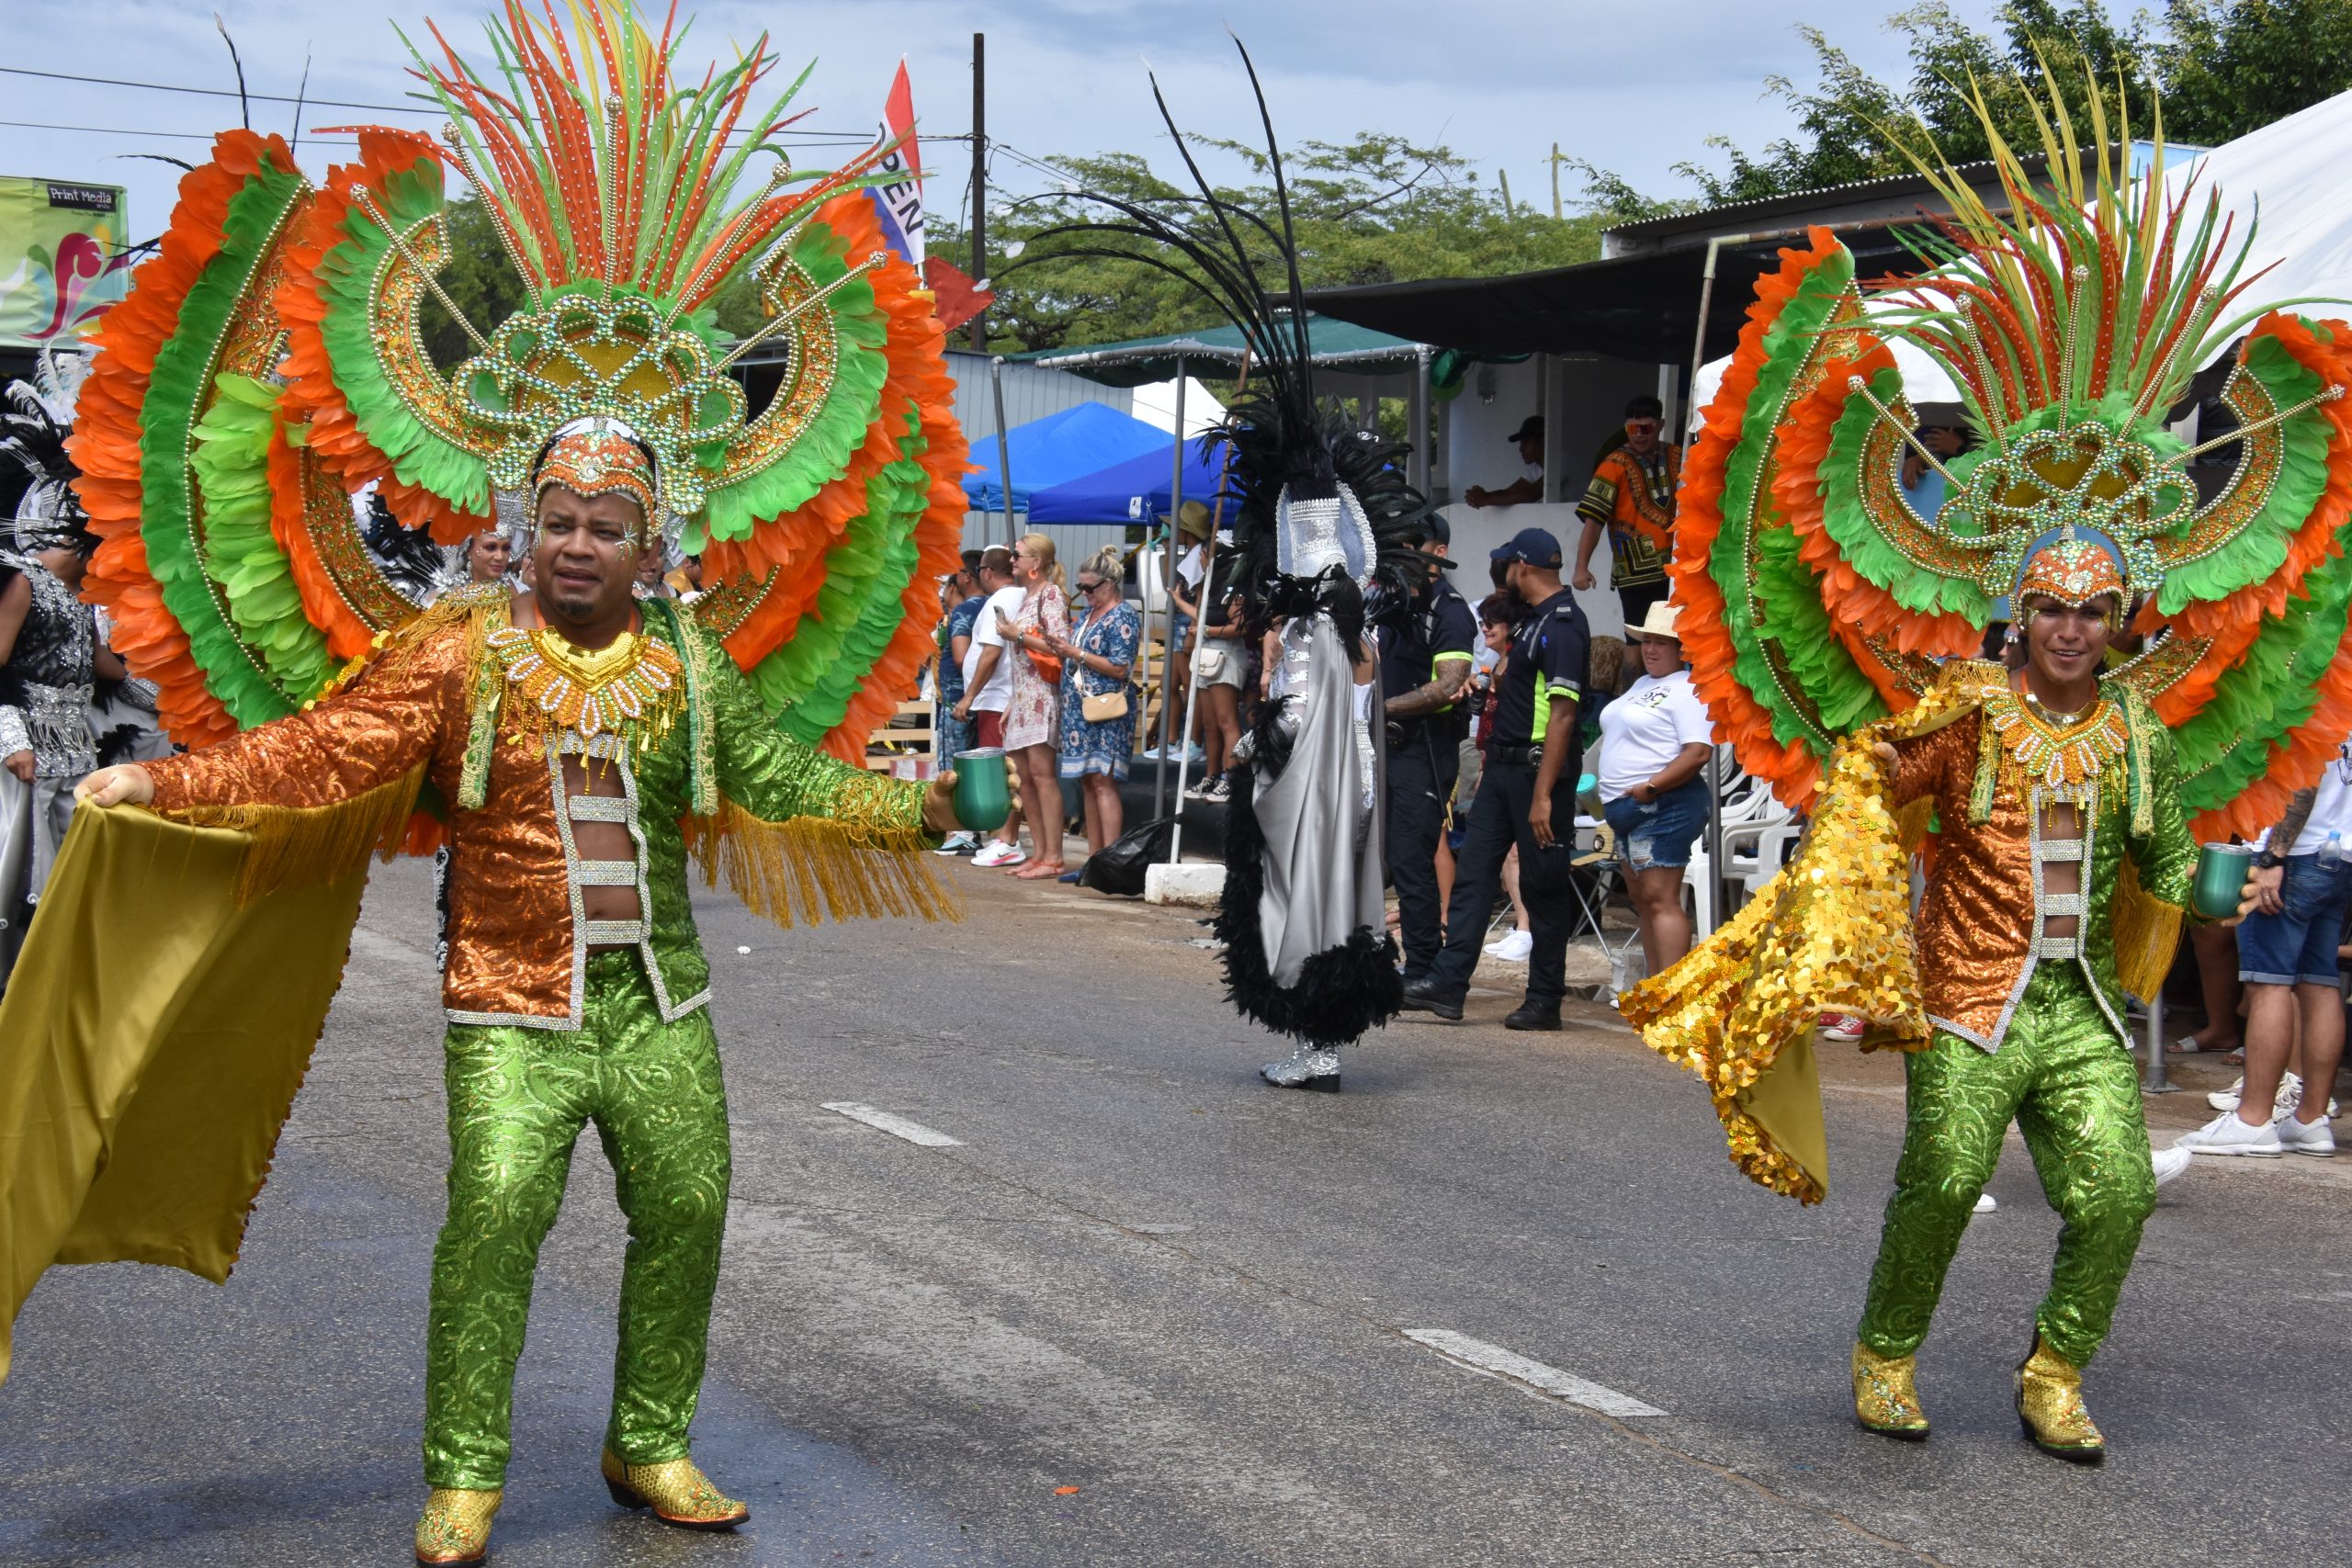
(897, 1126)
(1494, 1358)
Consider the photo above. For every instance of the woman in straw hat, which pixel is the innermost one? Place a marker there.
(1654, 742)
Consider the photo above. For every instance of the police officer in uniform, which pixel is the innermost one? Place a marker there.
(1527, 796)
(1426, 653)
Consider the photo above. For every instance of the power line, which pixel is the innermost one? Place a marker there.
(219, 92)
(206, 135)
(432, 109)
(118, 130)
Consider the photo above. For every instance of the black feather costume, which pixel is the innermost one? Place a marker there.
(1299, 479)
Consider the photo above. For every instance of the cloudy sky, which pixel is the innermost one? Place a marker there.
(1632, 87)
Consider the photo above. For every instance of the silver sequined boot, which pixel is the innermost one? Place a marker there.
(1304, 1068)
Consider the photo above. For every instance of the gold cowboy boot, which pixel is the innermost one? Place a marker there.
(677, 1492)
(2050, 1406)
(1886, 1401)
(455, 1525)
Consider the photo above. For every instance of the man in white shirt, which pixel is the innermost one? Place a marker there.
(2287, 957)
(987, 685)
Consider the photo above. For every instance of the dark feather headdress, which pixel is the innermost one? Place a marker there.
(1289, 458)
(36, 417)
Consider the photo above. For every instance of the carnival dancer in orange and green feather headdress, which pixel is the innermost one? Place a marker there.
(1831, 630)
(573, 745)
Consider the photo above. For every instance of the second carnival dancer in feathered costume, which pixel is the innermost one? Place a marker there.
(1321, 530)
(1832, 631)
(52, 654)
(573, 745)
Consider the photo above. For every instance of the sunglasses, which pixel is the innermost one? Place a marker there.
(1086, 587)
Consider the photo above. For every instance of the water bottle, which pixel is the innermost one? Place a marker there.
(2331, 852)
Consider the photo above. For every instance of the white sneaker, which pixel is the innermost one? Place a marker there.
(2289, 1098)
(1512, 948)
(2225, 1134)
(997, 852)
(2315, 1138)
(2169, 1163)
(956, 844)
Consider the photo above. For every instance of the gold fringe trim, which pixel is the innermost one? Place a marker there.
(812, 869)
(2147, 934)
(310, 846)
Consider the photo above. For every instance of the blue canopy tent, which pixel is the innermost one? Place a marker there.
(1135, 490)
(1062, 446)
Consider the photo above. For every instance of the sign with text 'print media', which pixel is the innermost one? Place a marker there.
(61, 258)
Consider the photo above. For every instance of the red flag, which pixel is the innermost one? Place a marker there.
(959, 298)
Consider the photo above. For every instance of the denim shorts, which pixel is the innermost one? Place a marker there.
(2297, 946)
(1658, 835)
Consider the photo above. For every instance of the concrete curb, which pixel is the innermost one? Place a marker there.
(1200, 885)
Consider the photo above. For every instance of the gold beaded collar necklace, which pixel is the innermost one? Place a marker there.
(2056, 750)
(631, 687)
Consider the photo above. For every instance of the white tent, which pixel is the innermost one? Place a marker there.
(2289, 174)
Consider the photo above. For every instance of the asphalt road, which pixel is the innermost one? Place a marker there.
(1146, 1276)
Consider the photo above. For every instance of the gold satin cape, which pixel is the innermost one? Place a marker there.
(152, 1040)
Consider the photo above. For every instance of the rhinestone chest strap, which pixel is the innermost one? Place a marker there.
(633, 687)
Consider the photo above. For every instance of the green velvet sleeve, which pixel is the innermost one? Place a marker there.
(775, 777)
(2166, 856)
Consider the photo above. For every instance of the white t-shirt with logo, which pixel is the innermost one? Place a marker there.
(994, 696)
(1646, 729)
(2330, 808)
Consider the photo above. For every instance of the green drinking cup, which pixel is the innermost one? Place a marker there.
(983, 790)
(2222, 871)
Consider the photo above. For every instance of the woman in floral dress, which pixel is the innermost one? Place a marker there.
(1031, 714)
(1097, 662)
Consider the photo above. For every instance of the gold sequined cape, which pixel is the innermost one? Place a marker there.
(1834, 932)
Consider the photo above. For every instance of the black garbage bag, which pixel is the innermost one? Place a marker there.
(1119, 868)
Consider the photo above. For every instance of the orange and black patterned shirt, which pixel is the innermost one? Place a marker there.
(1632, 497)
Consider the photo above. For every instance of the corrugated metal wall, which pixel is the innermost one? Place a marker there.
(1029, 393)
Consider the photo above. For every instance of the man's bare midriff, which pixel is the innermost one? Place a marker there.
(2062, 822)
(602, 840)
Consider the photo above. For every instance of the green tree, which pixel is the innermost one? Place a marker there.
(1374, 208)
(478, 278)
(2217, 69)
(2232, 66)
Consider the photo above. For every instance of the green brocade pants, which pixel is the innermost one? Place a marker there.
(2070, 1086)
(518, 1099)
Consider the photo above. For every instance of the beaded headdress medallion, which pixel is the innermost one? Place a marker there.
(600, 456)
(2073, 572)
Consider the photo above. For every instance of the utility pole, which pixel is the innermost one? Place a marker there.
(1502, 179)
(980, 183)
(1556, 214)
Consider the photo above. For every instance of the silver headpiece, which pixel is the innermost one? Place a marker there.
(1312, 536)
